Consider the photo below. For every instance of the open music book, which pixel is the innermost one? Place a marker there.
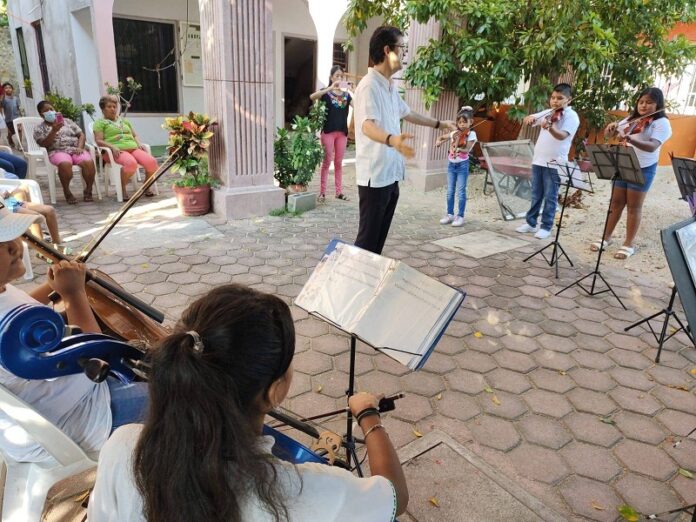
(383, 302)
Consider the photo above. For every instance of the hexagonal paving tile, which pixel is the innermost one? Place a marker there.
(635, 400)
(592, 342)
(589, 359)
(507, 406)
(457, 405)
(591, 402)
(548, 403)
(640, 427)
(591, 461)
(552, 381)
(592, 379)
(582, 494)
(556, 343)
(331, 344)
(466, 381)
(439, 363)
(379, 382)
(509, 381)
(589, 428)
(671, 377)
(311, 327)
(544, 431)
(629, 359)
(554, 360)
(645, 459)
(632, 378)
(413, 408)
(475, 361)
(493, 432)
(675, 399)
(646, 495)
(515, 361)
(332, 383)
(423, 383)
(684, 454)
(677, 422)
(539, 463)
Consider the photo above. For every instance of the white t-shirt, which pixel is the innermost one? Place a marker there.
(326, 493)
(548, 148)
(659, 130)
(76, 405)
(377, 98)
(460, 155)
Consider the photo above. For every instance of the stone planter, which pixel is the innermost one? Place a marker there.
(193, 201)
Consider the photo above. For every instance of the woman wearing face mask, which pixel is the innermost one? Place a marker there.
(65, 143)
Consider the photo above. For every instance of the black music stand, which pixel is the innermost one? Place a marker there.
(685, 172)
(610, 162)
(569, 177)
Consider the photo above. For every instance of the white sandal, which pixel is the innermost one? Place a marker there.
(603, 245)
(624, 252)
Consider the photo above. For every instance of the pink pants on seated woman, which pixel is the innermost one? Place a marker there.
(130, 160)
(64, 157)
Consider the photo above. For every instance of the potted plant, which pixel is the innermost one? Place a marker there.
(297, 153)
(191, 135)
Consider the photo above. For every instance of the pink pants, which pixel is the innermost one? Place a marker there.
(63, 157)
(334, 144)
(130, 159)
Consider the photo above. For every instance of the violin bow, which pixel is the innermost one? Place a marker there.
(90, 247)
(638, 118)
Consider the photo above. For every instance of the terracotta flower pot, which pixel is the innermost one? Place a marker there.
(294, 189)
(193, 201)
(585, 165)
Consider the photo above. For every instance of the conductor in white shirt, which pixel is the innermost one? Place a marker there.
(380, 145)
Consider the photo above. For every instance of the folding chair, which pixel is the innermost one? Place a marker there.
(34, 153)
(26, 484)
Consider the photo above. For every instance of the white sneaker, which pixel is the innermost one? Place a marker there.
(542, 234)
(447, 219)
(458, 221)
(525, 229)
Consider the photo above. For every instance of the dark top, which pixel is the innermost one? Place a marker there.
(336, 112)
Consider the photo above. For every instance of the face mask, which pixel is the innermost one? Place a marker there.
(49, 116)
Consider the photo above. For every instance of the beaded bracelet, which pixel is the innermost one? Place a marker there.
(366, 413)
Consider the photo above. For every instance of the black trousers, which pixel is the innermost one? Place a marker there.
(377, 207)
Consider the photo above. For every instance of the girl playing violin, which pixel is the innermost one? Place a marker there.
(201, 455)
(646, 129)
(461, 142)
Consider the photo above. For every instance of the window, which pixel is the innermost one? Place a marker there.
(23, 61)
(691, 93)
(340, 56)
(42, 57)
(146, 51)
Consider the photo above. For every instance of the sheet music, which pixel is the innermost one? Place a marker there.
(344, 284)
(577, 180)
(420, 302)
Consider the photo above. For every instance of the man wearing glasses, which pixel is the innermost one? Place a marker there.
(380, 146)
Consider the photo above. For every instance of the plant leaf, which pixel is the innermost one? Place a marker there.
(434, 502)
(488, 389)
(692, 371)
(417, 433)
(628, 513)
(478, 335)
(495, 400)
(686, 473)
(439, 396)
(607, 420)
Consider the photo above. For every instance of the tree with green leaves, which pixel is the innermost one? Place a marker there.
(487, 47)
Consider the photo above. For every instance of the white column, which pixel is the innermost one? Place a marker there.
(428, 170)
(326, 14)
(103, 27)
(237, 45)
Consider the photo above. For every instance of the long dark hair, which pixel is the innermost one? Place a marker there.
(197, 457)
(656, 96)
(333, 71)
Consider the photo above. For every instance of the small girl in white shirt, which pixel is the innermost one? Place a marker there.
(461, 142)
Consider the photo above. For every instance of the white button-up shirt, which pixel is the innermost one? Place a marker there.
(376, 98)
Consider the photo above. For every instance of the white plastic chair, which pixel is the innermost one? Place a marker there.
(111, 171)
(27, 484)
(34, 153)
(34, 196)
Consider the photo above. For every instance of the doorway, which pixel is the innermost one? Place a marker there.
(300, 63)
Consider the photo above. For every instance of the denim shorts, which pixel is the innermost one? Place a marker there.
(13, 204)
(648, 174)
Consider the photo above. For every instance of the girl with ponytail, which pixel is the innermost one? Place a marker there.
(200, 454)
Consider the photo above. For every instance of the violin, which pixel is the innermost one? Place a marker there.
(640, 125)
(118, 312)
(554, 115)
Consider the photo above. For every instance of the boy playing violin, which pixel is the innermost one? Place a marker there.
(646, 129)
(558, 126)
(86, 411)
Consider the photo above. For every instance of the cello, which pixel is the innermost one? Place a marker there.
(118, 312)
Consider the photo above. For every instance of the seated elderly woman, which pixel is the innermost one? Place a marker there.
(65, 143)
(118, 134)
